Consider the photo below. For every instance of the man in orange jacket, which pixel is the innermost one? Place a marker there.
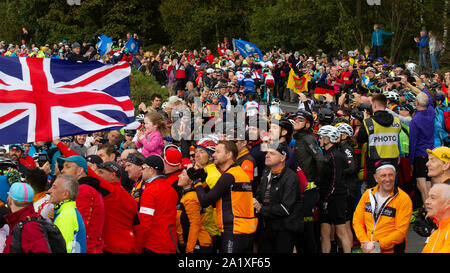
(381, 219)
(438, 208)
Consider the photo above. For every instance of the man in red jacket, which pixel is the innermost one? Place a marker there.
(122, 230)
(158, 210)
(20, 201)
(26, 159)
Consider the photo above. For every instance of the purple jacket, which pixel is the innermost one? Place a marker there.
(421, 131)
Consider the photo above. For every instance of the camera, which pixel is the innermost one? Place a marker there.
(364, 106)
(435, 85)
(41, 158)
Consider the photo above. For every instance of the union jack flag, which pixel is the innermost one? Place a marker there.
(42, 99)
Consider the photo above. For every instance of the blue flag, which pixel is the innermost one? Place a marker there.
(247, 48)
(104, 45)
(132, 45)
(366, 81)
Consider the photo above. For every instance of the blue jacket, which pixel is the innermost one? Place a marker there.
(421, 131)
(423, 42)
(439, 126)
(377, 37)
(249, 85)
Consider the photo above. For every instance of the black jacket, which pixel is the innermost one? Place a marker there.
(352, 169)
(76, 57)
(331, 181)
(308, 155)
(284, 212)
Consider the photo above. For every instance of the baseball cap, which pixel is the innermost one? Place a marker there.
(14, 146)
(94, 159)
(111, 166)
(78, 159)
(442, 153)
(155, 161)
(172, 156)
(75, 45)
(22, 192)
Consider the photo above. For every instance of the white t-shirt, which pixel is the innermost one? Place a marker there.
(380, 202)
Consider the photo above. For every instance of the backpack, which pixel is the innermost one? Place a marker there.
(51, 233)
(447, 121)
(439, 46)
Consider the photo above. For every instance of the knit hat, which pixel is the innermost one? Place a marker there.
(172, 156)
(282, 148)
(22, 192)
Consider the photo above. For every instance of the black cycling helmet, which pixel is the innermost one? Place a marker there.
(339, 120)
(326, 116)
(286, 124)
(357, 114)
(307, 115)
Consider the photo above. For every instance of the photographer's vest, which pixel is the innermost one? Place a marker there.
(235, 211)
(383, 141)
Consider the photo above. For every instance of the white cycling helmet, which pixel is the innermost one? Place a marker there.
(411, 67)
(329, 131)
(393, 96)
(276, 102)
(344, 128)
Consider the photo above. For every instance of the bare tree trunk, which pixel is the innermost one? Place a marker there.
(445, 27)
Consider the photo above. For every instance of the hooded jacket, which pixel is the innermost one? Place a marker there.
(92, 208)
(383, 118)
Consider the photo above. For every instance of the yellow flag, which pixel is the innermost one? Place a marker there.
(298, 84)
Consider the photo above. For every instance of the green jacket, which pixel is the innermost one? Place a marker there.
(404, 140)
(69, 221)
